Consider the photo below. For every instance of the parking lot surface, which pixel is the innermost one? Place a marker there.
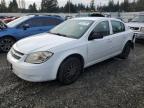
(114, 83)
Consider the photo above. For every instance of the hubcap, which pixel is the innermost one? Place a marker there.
(71, 71)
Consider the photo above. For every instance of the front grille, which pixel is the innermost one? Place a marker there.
(134, 28)
(16, 54)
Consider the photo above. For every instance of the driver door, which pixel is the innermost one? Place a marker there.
(34, 26)
(100, 48)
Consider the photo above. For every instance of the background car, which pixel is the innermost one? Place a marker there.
(68, 17)
(137, 25)
(9, 19)
(26, 26)
(2, 17)
(95, 14)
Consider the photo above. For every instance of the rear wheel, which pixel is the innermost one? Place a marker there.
(126, 51)
(6, 43)
(69, 70)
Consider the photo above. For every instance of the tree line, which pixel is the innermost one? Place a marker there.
(126, 6)
(52, 6)
(46, 6)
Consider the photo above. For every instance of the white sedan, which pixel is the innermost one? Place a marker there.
(70, 47)
(137, 25)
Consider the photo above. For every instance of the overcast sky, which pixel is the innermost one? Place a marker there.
(62, 2)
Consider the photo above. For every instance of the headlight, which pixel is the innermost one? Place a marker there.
(142, 29)
(38, 57)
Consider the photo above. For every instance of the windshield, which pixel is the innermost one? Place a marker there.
(139, 18)
(17, 21)
(72, 28)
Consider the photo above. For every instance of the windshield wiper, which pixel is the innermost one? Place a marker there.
(58, 34)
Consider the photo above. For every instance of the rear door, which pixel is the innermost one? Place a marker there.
(118, 35)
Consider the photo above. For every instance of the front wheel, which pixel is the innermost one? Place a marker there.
(126, 51)
(69, 70)
(6, 43)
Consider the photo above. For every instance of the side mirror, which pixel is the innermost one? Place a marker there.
(26, 26)
(95, 35)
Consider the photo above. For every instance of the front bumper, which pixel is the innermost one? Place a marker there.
(139, 35)
(32, 72)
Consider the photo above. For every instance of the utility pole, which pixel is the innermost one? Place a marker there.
(69, 8)
(19, 3)
(95, 5)
(23, 4)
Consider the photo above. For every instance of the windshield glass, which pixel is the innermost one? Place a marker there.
(72, 28)
(139, 18)
(17, 21)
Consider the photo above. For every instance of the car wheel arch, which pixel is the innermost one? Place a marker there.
(131, 43)
(9, 36)
(79, 56)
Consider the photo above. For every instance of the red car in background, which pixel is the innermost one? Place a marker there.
(2, 17)
(9, 19)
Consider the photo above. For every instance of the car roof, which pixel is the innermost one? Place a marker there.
(141, 14)
(50, 16)
(95, 18)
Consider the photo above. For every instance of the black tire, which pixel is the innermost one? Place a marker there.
(70, 70)
(126, 51)
(6, 43)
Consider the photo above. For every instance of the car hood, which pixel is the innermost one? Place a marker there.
(135, 24)
(39, 42)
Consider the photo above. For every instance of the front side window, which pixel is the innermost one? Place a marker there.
(33, 22)
(117, 26)
(103, 28)
(72, 28)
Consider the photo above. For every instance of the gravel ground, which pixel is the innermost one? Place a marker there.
(114, 83)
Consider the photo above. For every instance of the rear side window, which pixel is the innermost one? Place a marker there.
(35, 22)
(103, 28)
(51, 21)
(117, 27)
